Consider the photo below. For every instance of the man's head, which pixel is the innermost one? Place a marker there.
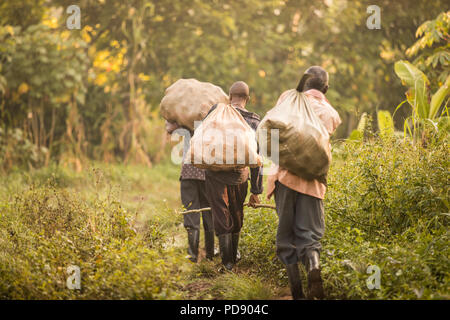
(239, 93)
(315, 77)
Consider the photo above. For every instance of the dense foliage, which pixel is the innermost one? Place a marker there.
(46, 227)
(94, 92)
(387, 205)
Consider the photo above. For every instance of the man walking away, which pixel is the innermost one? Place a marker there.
(192, 185)
(299, 202)
(226, 190)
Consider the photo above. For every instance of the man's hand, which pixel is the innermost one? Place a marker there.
(253, 201)
(171, 126)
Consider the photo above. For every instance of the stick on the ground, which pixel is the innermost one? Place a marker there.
(261, 205)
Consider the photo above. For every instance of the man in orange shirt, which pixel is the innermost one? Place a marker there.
(299, 202)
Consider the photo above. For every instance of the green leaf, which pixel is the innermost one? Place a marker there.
(438, 98)
(356, 136)
(385, 124)
(358, 133)
(418, 82)
(80, 97)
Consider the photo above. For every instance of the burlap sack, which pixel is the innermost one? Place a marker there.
(304, 147)
(189, 100)
(224, 141)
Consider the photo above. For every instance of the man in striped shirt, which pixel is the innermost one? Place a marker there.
(193, 196)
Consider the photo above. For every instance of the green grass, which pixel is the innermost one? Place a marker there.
(242, 287)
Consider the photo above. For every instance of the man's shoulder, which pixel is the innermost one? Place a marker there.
(251, 118)
(248, 114)
(330, 109)
(323, 108)
(321, 98)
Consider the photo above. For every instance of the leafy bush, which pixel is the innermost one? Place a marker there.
(387, 187)
(387, 205)
(18, 151)
(258, 243)
(44, 230)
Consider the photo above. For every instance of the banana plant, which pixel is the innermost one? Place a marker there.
(424, 110)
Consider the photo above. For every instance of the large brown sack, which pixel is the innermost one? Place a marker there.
(189, 100)
(304, 145)
(224, 141)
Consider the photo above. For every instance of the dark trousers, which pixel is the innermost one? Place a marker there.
(227, 205)
(301, 224)
(193, 197)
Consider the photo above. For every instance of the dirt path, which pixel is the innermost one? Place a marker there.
(206, 279)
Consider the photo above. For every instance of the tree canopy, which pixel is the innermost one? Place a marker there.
(108, 78)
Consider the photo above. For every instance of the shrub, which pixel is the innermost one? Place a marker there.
(258, 243)
(18, 151)
(386, 205)
(386, 187)
(44, 230)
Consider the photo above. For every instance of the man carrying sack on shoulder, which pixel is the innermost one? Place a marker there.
(226, 190)
(299, 202)
(193, 196)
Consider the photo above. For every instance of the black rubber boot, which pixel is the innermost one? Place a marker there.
(209, 244)
(226, 250)
(193, 240)
(315, 284)
(295, 281)
(235, 241)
